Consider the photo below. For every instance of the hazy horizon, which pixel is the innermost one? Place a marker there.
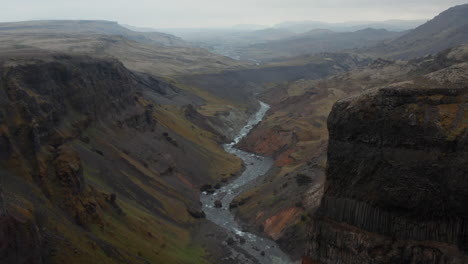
(218, 14)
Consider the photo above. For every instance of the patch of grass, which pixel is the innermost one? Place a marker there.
(141, 234)
(173, 118)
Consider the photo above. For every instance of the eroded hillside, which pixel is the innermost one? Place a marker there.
(94, 170)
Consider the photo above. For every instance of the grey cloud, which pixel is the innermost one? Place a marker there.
(216, 13)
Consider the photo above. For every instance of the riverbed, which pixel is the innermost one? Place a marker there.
(245, 247)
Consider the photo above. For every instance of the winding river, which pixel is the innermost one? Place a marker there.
(248, 248)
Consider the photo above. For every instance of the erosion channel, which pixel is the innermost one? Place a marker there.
(245, 247)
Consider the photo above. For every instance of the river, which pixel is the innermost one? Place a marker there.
(259, 249)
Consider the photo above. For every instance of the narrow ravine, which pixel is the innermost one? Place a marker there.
(246, 247)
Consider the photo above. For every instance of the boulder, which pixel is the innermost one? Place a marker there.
(218, 204)
(230, 241)
(196, 213)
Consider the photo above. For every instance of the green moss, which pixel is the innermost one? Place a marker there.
(140, 234)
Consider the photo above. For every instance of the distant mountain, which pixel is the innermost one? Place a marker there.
(226, 41)
(448, 29)
(390, 25)
(231, 36)
(315, 41)
(249, 27)
(90, 27)
(237, 41)
(267, 34)
(139, 29)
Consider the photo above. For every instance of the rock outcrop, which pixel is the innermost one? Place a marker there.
(36, 104)
(20, 241)
(397, 186)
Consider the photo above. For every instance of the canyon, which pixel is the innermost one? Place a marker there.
(118, 146)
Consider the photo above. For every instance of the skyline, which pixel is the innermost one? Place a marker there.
(217, 14)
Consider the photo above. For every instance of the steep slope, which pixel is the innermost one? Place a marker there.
(89, 27)
(95, 167)
(448, 29)
(396, 179)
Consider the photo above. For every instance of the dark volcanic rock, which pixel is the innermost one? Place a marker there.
(242, 240)
(396, 186)
(218, 204)
(233, 205)
(69, 169)
(206, 188)
(230, 241)
(302, 180)
(20, 241)
(402, 148)
(200, 120)
(196, 213)
(34, 117)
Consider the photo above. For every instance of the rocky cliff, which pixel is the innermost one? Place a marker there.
(96, 166)
(396, 187)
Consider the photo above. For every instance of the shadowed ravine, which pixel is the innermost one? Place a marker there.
(260, 249)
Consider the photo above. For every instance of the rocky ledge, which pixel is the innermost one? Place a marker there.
(397, 179)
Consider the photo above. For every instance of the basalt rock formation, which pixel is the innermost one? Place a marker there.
(396, 187)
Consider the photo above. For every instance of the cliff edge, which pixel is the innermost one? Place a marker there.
(396, 186)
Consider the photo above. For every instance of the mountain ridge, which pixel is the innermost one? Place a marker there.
(89, 26)
(446, 30)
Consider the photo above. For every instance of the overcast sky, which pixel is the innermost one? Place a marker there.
(219, 13)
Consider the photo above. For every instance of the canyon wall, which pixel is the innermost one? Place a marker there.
(396, 186)
(96, 166)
